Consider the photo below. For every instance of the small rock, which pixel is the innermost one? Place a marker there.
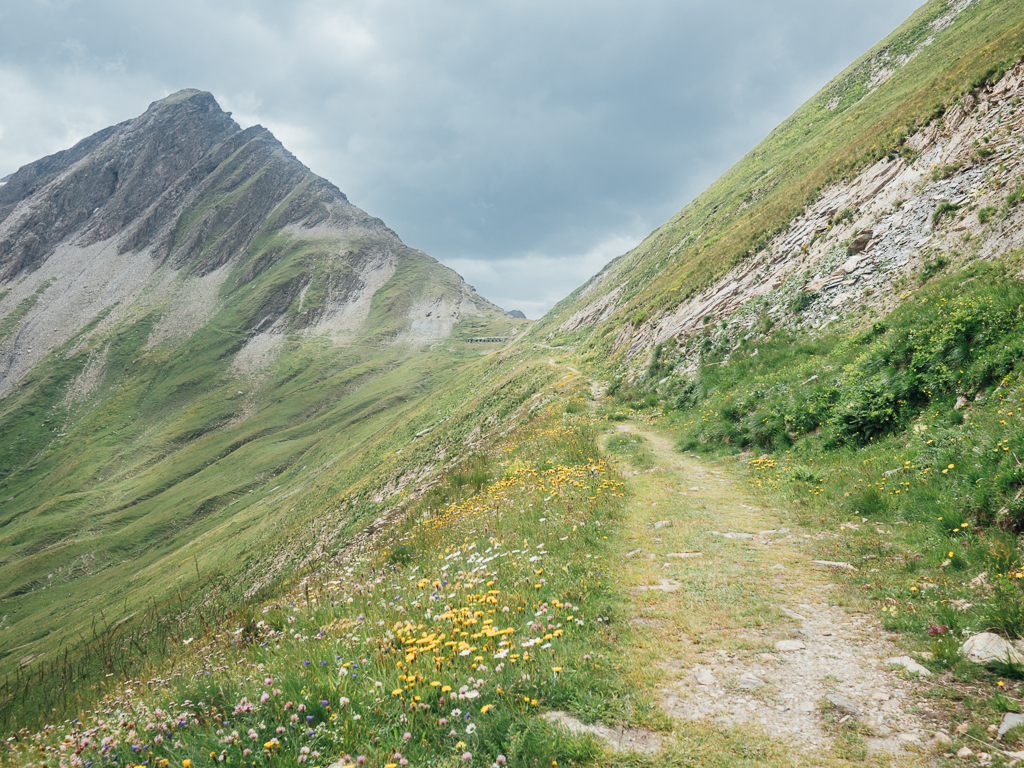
(964, 752)
(834, 564)
(880, 696)
(661, 524)
(750, 682)
(963, 728)
(695, 488)
(634, 552)
(704, 677)
(843, 704)
(790, 645)
(908, 738)
(986, 647)
(767, 657)
(1010, 720)
(941, 740)
(910, 665)
(806, 706)
(733, 535)
(684, 555)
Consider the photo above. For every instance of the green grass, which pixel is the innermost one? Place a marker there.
(728, 222)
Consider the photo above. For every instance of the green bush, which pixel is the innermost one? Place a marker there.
(945, 208)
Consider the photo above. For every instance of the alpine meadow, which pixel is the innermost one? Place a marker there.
(276, 488)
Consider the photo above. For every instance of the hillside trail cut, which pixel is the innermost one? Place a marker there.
(744, 628)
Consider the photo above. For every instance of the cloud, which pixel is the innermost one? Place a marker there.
(486, 133)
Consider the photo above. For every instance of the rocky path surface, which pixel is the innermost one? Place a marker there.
(747, 627)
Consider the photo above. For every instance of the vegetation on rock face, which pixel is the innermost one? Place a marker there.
(391, 552)
(850, 124)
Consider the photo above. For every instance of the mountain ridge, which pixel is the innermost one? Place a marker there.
(186, 312)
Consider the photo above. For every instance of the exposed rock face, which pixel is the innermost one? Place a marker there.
(861, 241)
(178, 210)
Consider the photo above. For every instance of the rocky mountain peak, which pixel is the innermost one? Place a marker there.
(108, 180)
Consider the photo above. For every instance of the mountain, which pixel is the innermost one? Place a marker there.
(225, 512)
(831, 217)
(190, 319)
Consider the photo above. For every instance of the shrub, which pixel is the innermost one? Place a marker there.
(945, 208)
(986, 213)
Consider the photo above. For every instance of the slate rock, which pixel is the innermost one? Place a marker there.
(790, 645)
(910, 665)
(704, 677)
(843, 704)
(1010, 720)
(750, 682)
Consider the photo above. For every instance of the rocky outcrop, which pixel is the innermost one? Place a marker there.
(859, 244)
(178, 211)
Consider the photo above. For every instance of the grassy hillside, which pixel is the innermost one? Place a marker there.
(846, 126)
(405, 555)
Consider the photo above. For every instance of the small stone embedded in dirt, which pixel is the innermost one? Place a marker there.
(940, 739)
(834, 564)
(964, 752)
(620, 739)
(704, 677)
(634, 552)
(843, 704)
(750, 682)
(661, 524)
(695, 488)
(910, 665)
(684, 555)
(733, 535)
(986, 648)
(1010, 720)
(806, 706)
(790, 645)
(663, 585)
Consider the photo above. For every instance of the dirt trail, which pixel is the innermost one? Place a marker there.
(746, 628)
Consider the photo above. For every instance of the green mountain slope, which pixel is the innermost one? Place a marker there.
(383, 531)
(866, 115)
(201, 346)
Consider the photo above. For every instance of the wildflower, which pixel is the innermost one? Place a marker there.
(467, 756)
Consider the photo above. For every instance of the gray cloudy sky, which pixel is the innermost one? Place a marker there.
(523, 143)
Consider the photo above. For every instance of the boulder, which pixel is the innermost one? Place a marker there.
(989, 648)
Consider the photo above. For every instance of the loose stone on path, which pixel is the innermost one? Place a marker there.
(785, 646)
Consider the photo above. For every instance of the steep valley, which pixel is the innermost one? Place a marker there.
(278, 489)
